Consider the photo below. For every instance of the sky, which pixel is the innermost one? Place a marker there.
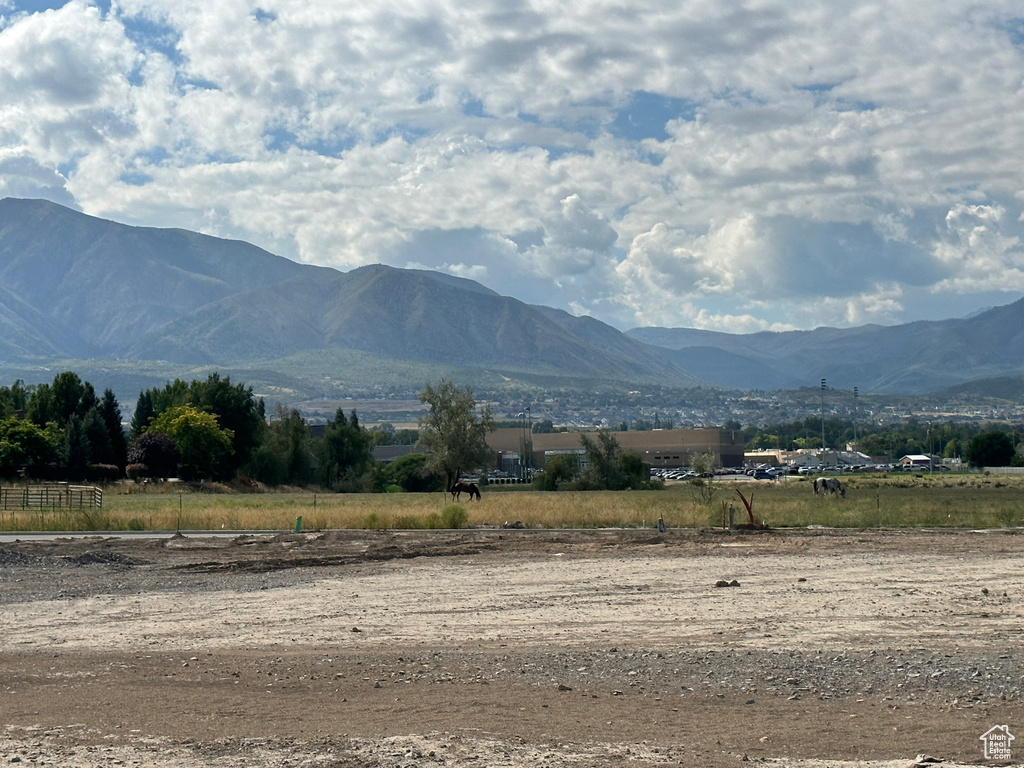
(730, 166)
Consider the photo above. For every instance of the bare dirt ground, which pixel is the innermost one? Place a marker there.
(513, 648)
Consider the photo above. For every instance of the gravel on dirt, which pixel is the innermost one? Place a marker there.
(493, 647)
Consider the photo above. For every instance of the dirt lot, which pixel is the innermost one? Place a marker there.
(512, 648)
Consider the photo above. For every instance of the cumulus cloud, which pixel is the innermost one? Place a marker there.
(22, 176)
(723, 166)
(978, 253)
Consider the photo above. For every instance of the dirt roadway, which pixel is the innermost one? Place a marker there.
(512, 648)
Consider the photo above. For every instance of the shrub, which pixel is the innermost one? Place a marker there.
(102, 473)
(454, 516)
(137, 472)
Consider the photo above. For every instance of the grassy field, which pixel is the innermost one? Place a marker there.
(958, 501)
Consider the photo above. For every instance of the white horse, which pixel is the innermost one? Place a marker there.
(824, 485)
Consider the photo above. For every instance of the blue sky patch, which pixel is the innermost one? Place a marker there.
(472, 107)
(647, 114)
(1014, 29)
(135, 179)
(37, 6)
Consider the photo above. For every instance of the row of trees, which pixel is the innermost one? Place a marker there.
(978, 444)
(214, 429)
(61, 430)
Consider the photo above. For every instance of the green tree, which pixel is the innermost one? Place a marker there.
(608, 467)
(411, 474)
(703, 486)
(285, 456)
(13, 399)
(40, 409)
(25, 446)
(75, 452)
(990, 449)
(71, 397)
(237, 409)
(559, 470)
(451, 433)
(110, 413)
(346, 455)
(101, 449)
(601, 470)
(386, 434)
(144, 413)
(203, 446)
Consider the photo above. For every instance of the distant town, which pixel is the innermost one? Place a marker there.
(693, 408)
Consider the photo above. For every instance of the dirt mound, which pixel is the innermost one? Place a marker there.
(100, 557)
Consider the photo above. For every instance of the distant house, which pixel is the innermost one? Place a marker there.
(918, 460)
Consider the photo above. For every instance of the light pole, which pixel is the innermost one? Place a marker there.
(931, 462)
(822, 421)
(522, 445)
(854, 417)
(529, 442)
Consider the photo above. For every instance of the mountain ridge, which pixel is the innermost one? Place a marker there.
(73, 286)
(147, 294)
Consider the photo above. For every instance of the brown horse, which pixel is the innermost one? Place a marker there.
(462, 487)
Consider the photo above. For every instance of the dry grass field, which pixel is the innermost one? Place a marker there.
(899, 501)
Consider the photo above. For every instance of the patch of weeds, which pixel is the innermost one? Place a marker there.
(374, 522)
(409, 523)
(93, 520)
(454, 516)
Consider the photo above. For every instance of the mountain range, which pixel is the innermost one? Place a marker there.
(76, 287)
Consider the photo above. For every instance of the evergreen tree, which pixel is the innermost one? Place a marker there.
(40, 408)
(13, 399)
(990, 449)
(237, 410)
(144, 413)
(110, 412)
(346, 455)
(286, 455)
(75, 453)
(101, 450)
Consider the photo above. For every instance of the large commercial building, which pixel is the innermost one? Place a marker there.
(659, 447)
